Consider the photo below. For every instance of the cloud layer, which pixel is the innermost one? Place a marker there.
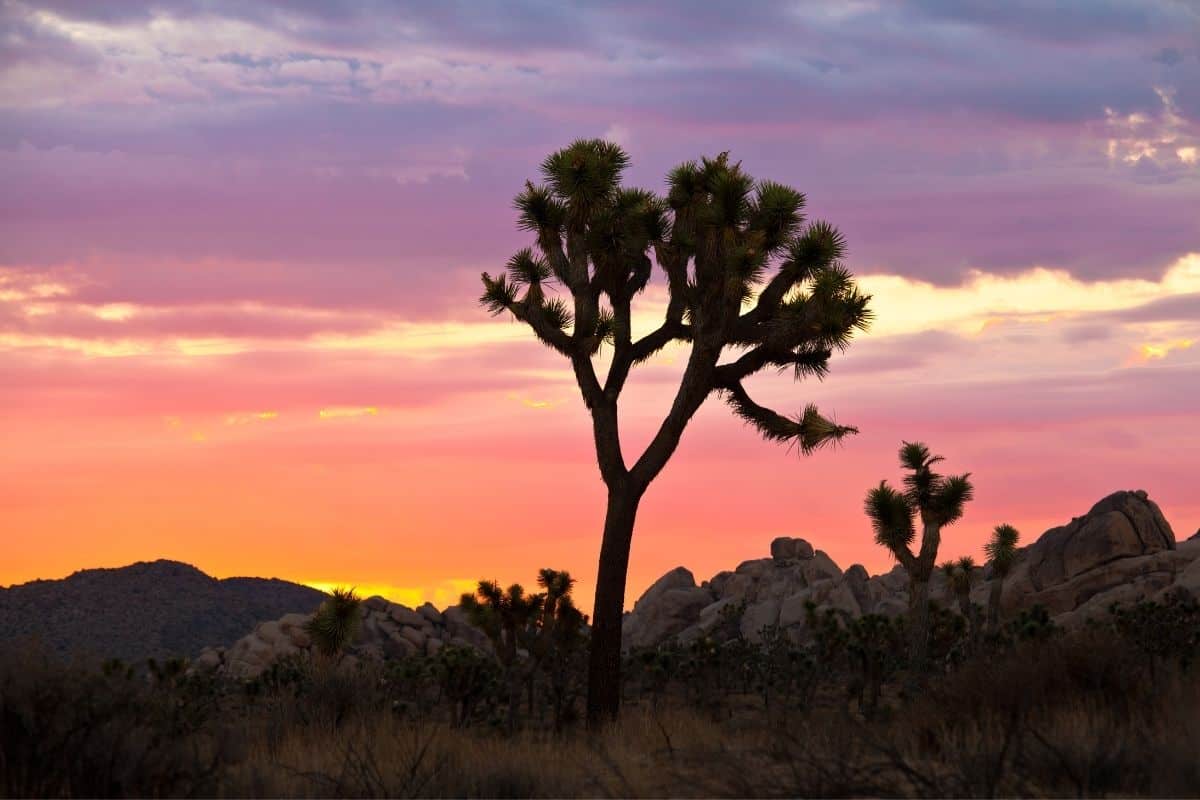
(239, 246)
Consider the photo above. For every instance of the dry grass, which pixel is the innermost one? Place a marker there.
(1081, 747)
(1076, 716)
(645, 755)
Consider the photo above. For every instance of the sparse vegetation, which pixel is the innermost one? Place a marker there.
(1110, 709)
(538, 641)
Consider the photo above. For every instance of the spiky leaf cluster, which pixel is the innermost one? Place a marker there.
(336, 622)
(562, 623)
(499, 613)
(891, 517)
(556, 584)
(513, 618)
(936, 499)
(1001, 549)
(960, 574)
(722, 239)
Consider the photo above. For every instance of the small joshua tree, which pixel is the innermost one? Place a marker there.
(506, 616)
(336, 622)
(724, 241)
(938, 501)
(559, 641)
(556, 586)
(959, 578)
(1001, 551)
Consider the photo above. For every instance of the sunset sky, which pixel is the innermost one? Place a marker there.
(240, 247)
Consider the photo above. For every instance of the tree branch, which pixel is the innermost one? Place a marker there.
(624, 358)
(606, 432)
(810, 430)
(694, 388)
(813, 361)
(499, 297)
(907, 559)
(551, 244)
(767, 304)
(589, 384)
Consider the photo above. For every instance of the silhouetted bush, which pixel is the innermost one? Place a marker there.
(1113, 708)
(113, 731)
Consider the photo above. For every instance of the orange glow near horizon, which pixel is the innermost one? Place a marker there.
(413, 473)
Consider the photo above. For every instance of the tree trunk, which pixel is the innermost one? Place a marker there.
(994, 604)
(967, 610)
(604, 663)
(918, 615)
(514, 698)
(971, 619)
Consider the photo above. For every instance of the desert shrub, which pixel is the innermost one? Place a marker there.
(1165, 632)
(785, 673)
(114, 731)
(470, 682)
(1030, 624)
(875, 649)
(649, 672)
(1110, 709)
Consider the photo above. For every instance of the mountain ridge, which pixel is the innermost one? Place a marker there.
(149, 609)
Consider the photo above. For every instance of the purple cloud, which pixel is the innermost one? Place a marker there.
(374, 149)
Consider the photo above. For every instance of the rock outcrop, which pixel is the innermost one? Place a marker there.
(1122, 550)
(388, 631)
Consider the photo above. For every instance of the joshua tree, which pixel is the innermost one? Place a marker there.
(1001, 551)
(959, 577)
(336, 622)
(559, 641)
(506, 617)
(939, 501)
(716, 236)
(556, 585)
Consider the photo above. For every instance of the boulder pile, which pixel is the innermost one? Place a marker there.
(388, 630)
(1120, 551)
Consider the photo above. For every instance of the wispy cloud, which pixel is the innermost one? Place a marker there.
(348, 413)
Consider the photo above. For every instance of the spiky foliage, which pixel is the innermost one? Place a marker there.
(559, 642)
(936, 500)
(336, 622)
(891, 517)
(1001, 549)
(959, 574)
(502, 614)
(556, 585)
(722, 240)
(508, 617)
(595, 241)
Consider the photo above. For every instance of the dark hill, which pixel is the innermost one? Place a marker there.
(149, 609)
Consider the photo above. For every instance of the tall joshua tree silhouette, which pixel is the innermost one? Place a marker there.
(1001, 551)
(939, 501)
(716, 236)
